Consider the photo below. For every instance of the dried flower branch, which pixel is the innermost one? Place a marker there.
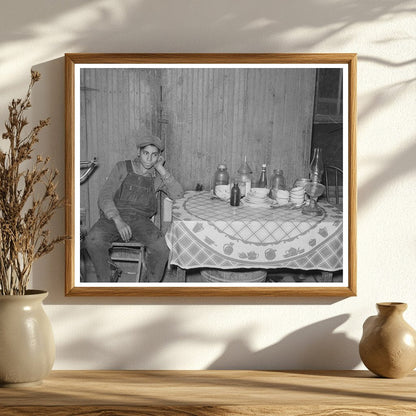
(24, 216)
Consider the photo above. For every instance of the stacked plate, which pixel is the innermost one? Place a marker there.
(257, 199)
(297, 195)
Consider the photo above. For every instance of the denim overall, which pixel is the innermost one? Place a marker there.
(136, 203)
(136, 196)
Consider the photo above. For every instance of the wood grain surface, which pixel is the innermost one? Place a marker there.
(213, 393)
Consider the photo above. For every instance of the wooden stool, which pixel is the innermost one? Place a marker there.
(131, 251)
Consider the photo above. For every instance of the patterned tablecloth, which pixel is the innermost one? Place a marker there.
(208, 232)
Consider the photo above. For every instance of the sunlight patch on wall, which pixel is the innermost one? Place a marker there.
(41, 42)
(258, 23)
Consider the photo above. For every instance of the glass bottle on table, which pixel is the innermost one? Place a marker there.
(263, 177)
(235, 195)
(244, 177)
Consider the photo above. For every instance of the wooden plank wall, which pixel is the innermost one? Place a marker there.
(117, 106)
(206, 116)
(221, 115)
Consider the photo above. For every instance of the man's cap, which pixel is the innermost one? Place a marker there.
(153, 140)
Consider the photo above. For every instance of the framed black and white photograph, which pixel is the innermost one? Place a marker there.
(211, 174)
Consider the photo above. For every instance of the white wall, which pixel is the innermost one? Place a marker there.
(199, 333)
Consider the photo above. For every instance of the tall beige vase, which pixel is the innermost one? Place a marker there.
(388, 345)
(27, 346)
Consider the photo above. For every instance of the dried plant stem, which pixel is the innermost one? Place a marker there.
(23, 217)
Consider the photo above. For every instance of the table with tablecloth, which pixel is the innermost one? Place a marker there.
(207, 232)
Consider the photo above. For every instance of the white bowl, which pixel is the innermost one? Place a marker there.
(301, 182)
(297, 193)
(259, 192)
(298, 189)
(255, 199)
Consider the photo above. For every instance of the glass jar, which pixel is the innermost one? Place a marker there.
(221, 176)
(277, 180)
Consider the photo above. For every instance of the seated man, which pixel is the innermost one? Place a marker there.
(127, 202)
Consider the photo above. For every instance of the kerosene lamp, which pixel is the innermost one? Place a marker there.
(315, 189)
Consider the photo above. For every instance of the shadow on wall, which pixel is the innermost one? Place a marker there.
(242, 27)
(101, 25)
(313, 347)
(48, 100)
(30, 36)
(142, 347)
(397, 166)
(151, 345)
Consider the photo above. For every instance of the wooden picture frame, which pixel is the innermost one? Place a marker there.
(342, 112)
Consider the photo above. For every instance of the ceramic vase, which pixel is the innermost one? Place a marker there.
(388, 345)
(27, 347)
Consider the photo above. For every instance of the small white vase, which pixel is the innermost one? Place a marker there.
(27, 346)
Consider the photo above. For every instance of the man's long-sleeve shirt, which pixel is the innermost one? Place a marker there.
(166, 183)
